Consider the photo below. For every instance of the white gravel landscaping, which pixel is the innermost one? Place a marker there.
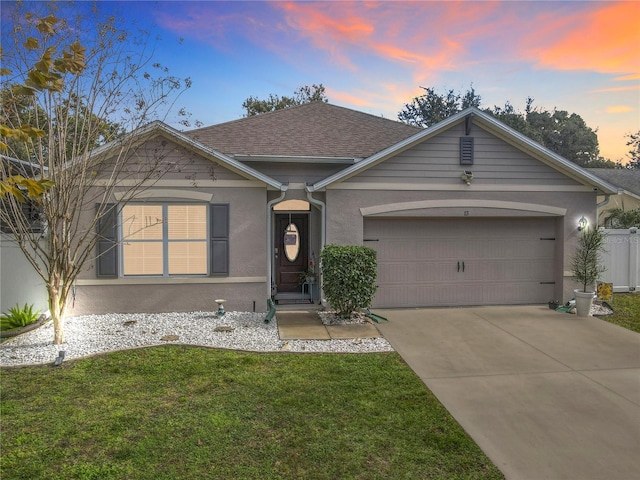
(92, 334)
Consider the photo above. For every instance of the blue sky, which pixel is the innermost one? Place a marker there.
(583, 57)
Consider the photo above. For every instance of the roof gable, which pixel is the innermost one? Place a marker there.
(156, 128)
(488, 123)
(315, 129)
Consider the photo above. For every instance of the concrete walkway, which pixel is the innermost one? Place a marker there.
(305, 325)
(545, 395)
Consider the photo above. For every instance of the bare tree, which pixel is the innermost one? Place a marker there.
(84, 83)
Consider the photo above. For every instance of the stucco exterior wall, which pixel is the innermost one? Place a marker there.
(245, 284)
(166, 297)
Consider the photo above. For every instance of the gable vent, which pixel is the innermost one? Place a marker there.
(466, 150)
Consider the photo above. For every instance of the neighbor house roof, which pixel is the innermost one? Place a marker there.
(624, 178)
(492, 125)
(315, 129)
(21, 167)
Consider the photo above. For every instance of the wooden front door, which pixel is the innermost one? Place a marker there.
(292, 250)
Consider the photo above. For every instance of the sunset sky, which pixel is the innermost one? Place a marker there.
(583, 57)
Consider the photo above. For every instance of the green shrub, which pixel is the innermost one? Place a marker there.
(349, 277)
(18, 317)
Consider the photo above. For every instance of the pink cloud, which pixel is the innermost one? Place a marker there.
(619, 109)
(421, 37)
(203, 22)
(358, 99)
(627, 88)
(420, 41)
(604, 40)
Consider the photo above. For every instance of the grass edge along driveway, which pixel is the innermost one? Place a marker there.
(626, 308)
(189, 412)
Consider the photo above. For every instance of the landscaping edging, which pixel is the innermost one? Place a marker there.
(14, 332)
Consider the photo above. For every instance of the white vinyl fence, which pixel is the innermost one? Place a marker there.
(622, 259)
(19, 283)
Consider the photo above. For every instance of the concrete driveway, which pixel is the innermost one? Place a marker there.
(545, 395)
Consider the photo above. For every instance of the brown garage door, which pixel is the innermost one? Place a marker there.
(469, 261)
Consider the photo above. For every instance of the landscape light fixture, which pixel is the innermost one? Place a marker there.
(582, 223)
(221, 312)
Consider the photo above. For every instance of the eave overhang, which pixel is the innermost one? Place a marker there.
(295, 159)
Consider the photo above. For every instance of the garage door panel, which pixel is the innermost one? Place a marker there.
(440, 262)
(399, 250)
(399, 295)
(436, 272)
(443, 248)
(508, 270)
(397, 273)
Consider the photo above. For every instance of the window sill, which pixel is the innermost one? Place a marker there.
(168, 280)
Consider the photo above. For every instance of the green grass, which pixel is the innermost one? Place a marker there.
(185, 412)
(626, 307)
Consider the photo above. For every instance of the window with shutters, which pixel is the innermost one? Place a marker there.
(164, 240)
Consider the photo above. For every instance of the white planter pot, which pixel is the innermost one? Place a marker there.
(584, 300)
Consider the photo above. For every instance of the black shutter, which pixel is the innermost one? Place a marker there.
(107, 230)
(466, 150)
(219, 239)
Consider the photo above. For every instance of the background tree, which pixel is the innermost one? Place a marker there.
(634, 154)
(561, 132)
(619, 218)
(305, 94)
(67, 88)
(431, 108)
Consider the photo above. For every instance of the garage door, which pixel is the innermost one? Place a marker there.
(470, 261)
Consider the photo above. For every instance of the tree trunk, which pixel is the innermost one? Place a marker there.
(55, 309)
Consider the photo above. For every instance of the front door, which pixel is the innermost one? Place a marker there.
(292, 250)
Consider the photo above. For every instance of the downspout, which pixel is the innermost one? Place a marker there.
(607, 198)
(271, 203)
(323, 216)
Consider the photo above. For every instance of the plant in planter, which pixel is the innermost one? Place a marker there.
(587, 267)
(309, 275)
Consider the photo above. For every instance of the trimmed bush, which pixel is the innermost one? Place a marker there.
(349, 277)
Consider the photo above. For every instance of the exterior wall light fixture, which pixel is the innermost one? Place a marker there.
(582, 223)
(467, 176)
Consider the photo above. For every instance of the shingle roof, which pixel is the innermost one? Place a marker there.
(314, 129)
(626, 179)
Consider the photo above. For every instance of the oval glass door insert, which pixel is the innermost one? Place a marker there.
(291, 242)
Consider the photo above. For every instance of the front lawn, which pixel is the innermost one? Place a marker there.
(186, 412)
(626, 307)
